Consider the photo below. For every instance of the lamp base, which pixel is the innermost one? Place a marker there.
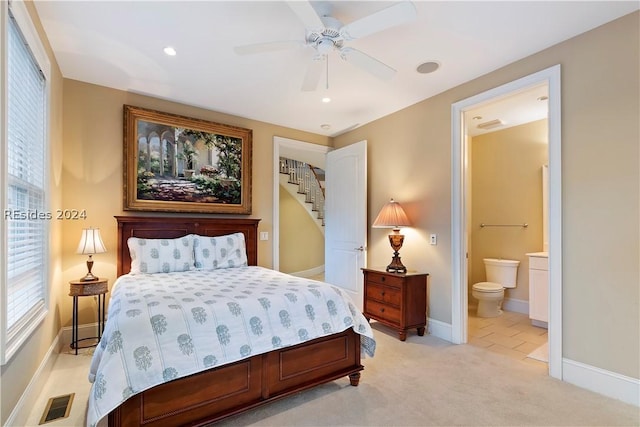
(396, 240)
(89, 278)
(396, 265)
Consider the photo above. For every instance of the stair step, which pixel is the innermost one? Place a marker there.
(310, 181)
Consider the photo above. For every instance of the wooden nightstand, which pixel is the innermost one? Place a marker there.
(77, 289)
(397, 300)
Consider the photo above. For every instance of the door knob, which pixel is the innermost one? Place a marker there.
(361, 249)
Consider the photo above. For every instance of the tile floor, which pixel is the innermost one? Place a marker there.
(511, 334)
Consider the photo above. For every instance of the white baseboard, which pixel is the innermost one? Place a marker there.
(309, 273)
(84, 331)
(540, 323)
(601, 381)
(517, 305)
(439, 329)
(20, 413)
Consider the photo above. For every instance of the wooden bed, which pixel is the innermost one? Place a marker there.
(217, 393)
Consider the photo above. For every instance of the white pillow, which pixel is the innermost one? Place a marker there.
(161, 255)
(220, 252)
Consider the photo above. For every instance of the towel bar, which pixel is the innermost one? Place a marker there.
(525, 225)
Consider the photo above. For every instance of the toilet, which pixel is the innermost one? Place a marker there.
(501, 274)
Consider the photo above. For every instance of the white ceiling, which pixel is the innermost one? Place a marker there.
(514, 109)
(119, 44)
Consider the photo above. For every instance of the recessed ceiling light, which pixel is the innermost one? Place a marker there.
(325, 126)
(542, 98)
(477, 117)
(170, 51)
(326, 99)
(428, 67)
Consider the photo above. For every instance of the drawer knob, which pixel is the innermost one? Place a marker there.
(382, 293)
(382, 310)
(384, 278)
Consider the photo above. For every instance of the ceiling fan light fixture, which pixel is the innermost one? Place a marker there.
(428, 67)
(324, 45)
(326, 34)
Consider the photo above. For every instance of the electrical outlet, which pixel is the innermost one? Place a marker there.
(434, 239)
(264, 235)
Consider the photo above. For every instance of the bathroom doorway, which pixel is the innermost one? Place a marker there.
(460, 206)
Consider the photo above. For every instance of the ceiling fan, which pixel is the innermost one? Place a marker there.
(326, 34)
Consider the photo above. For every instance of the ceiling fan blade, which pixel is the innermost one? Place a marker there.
(313, 74)
(367, 63)
(307, 14)
(394, 15)
(267, 47)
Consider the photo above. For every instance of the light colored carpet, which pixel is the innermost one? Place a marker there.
(426, 381)
(423, 381)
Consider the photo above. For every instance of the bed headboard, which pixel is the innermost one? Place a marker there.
(172, 227)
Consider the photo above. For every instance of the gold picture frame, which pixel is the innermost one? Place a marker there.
(174, 163)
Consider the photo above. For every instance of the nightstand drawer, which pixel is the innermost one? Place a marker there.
(88, 288)
(378, 310)
(385, 279)
(383, 294)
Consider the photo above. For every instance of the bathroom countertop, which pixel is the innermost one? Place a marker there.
(539, 254)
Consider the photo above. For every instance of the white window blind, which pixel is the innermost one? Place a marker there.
(26, 230)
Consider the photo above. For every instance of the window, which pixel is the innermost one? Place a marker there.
(25, 159)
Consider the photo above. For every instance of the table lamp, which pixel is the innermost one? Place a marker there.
(90, 243)
(392, 216)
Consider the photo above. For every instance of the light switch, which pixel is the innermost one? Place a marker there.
(264, 235)
(434, 239)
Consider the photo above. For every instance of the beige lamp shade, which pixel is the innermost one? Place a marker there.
(90, 243)
(391, 216)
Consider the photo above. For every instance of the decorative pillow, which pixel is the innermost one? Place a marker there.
(161, 255)
(220, 251)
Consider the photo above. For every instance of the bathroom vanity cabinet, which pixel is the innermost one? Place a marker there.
(539, 288)
(398, 300)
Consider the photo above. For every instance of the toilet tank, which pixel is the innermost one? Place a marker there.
(503, 271)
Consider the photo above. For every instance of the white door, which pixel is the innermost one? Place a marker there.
(346, 219)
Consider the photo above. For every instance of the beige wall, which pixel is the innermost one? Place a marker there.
(600, 188)
(18, 372)
(92, 173)
(301, 241)
(506, 188)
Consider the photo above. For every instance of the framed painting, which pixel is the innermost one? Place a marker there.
(178, 164)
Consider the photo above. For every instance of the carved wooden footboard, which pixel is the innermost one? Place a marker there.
(228, 390)
(218, 393)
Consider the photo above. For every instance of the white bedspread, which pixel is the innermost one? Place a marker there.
(170, 325)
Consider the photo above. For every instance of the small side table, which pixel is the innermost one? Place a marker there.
(79, 288)
(397, 300)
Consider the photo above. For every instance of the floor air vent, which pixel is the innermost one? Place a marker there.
(57, 407)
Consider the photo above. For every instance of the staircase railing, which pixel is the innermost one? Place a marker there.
(305, 176)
